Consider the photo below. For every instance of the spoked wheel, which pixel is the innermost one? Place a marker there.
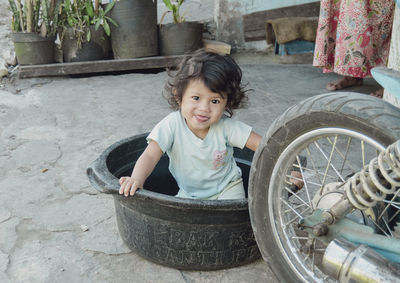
(337, 134)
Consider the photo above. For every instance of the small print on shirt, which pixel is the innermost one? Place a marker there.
(219, 158)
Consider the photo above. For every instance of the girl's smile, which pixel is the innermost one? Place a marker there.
(201, 107)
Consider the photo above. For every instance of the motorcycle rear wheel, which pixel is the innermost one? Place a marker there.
(338, 133)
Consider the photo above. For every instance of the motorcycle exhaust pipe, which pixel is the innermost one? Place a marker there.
(347, 262)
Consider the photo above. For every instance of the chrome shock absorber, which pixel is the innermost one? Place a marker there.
(377, 180)
(373, 183)
(349, 262)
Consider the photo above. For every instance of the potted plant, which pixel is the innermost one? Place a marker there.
(33, 29)
(81, 37)
(180, 36)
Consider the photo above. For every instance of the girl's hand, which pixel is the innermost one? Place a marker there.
(143, 168)
(129, 186)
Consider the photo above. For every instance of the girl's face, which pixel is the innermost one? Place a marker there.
(201, 107)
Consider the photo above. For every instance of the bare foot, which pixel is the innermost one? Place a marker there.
(344, 82)
(378, 93)
(297, 179)
(297, 182)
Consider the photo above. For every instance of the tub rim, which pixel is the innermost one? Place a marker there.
(105, 182)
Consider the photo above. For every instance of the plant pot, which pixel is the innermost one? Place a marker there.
(96, 49)
(136, 34)
(181, 233)
(177, 39)
(32, 49)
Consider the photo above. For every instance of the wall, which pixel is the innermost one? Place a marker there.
(224, 17)
(250, 6)
(193, 10)
(229, 23)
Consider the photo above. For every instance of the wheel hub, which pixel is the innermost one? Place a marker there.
(327, 196)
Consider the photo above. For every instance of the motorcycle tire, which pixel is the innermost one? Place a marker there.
(367, 123)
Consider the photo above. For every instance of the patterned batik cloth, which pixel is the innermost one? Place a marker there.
(353, 36)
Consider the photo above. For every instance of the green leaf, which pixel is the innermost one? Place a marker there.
(180, 2)
(86, 19)
(168, 4)
(111, 21)
(89, 9)
(99, 12)
(106, 28)
(70, 21)
(88, 35)
(67, 5)
(109, 6)
(97, 25)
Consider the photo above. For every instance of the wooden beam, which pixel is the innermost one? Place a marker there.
(254, 23)
(217, 46)
(101, 66)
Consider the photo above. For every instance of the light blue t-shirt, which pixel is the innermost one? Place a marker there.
(201, 167)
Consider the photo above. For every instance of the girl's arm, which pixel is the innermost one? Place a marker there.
(253, 141)
(143, 168)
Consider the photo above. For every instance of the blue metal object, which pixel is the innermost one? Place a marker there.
(358, 234)
(388, 78)
(294, 47)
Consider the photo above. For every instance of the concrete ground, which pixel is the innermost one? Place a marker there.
(54, 227)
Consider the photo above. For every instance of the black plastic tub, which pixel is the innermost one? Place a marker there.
(180, 233)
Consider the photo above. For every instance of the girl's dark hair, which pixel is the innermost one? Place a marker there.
(218, 72)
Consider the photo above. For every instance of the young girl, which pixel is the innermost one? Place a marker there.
(199, 137)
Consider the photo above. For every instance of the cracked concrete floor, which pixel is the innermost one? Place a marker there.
(54, 227)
